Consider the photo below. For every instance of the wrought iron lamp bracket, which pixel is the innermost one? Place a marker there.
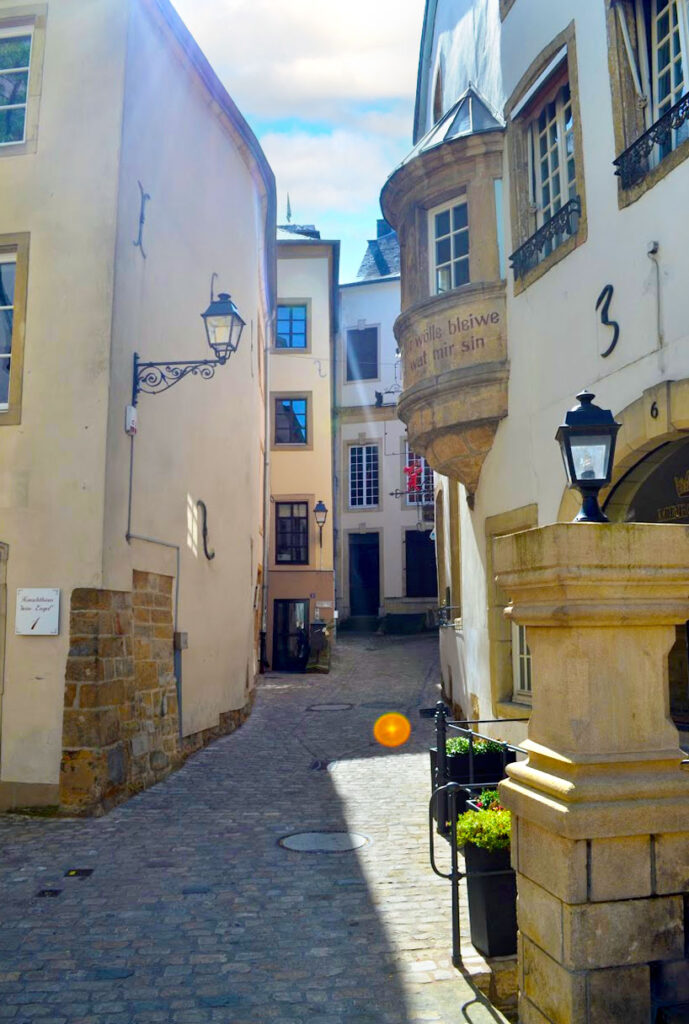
(151, 378)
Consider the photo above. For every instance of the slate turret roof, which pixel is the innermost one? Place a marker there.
(382, 257)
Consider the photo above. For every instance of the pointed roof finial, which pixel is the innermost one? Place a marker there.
(289, 210)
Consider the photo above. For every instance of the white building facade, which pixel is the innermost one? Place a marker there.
(557, 133)
(386, 555)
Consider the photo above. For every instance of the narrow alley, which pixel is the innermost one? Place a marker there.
(194, 912)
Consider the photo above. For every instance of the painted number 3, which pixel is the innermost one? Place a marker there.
(603, 303)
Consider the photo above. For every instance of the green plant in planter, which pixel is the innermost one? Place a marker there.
(460, 745)
(489, 830)
(491, 882)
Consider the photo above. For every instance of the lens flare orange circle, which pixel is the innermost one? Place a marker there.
(392, 729)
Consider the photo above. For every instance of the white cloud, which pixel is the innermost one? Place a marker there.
(349, 66)
(275, 54)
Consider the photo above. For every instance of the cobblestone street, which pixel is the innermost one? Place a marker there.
(195, 914)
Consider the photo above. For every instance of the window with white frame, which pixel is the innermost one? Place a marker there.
(363, 476)
(551, 155)
(418, 479)
(15, 59)
(449, 246)
(8, 270)
(653, 36)
(521, 664)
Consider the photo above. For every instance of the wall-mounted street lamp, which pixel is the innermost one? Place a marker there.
(224, 328)
(321, 514)
(587, 442)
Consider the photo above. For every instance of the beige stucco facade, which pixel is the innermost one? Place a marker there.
(301, 473)
(140, 105)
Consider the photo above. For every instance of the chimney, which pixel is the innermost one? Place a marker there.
(383, 228)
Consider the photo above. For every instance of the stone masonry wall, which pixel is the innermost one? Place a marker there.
(120, 727)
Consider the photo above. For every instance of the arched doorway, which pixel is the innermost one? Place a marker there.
(656, 490)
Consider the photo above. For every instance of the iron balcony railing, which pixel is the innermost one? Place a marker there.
(554, 232)
(638, 159)
(446, 616)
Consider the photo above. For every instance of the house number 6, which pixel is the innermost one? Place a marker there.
(603, 303)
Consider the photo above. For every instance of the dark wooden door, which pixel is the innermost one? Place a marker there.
(422, 577)
(364, 574)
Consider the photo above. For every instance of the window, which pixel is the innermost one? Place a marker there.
(362, 354)
(551, 151)
(651, 50)
(449, 231)
(291, 326)
(363, 475)
(292, 532)
(291, 421)
(15, 58)
(521, 663)
(544, 150)
(8, 273)
(419, 480)
(14, 267)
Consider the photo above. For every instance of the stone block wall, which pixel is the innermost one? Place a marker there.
(604, 924)
(120, 726)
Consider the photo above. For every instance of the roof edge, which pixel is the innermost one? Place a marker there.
(216, 89)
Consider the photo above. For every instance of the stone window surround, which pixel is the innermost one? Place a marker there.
(499, 628)
(17, 245)
(31, 17)
(292, 517)
(516, 144)
(308, 396)
(628, 118)
(281, 350)
(275, 566)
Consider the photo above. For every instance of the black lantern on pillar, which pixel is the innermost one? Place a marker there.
(321, 514)
(587, 441)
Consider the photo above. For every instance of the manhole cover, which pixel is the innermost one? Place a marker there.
(330, 707)
(323, 842)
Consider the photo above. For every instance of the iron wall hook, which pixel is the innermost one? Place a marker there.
(210, 555)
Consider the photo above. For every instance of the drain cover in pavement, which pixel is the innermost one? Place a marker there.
(323, 842)
(330, 707)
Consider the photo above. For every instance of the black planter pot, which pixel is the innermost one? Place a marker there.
(488, 767)
(492, 901)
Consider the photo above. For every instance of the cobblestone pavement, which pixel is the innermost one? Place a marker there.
(195, 914)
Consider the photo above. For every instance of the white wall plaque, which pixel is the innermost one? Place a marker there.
(38, 611)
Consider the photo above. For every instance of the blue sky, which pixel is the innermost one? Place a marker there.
(328, 89)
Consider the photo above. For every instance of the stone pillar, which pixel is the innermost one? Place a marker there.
(601, 806)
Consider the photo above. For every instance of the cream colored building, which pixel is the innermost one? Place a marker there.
(385, 549)
(558, 133)
(127, 179)
(301, 588)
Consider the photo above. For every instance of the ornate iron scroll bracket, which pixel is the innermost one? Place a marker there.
(554, 232)
(634, 164)
(210, 555)
(152, 378)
